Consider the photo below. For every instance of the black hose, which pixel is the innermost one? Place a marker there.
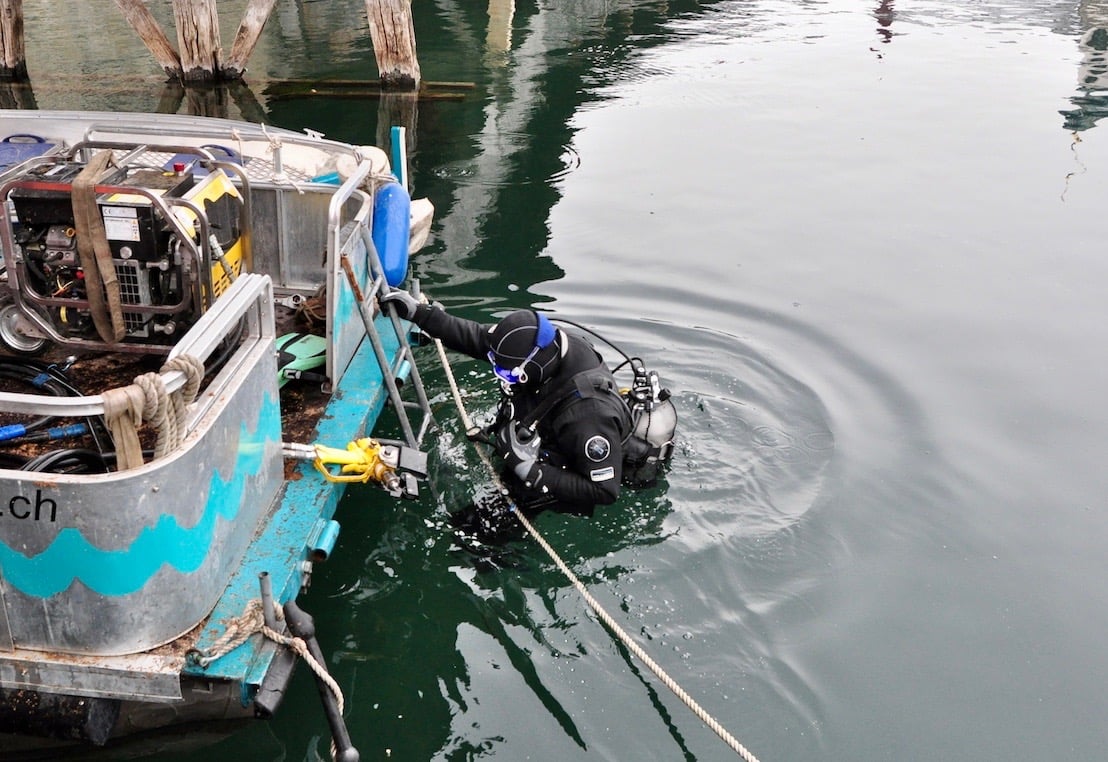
(69, 462)
(627, 359)
(226, 348)
(32, 374)
(595, 334)
(12, 461)
(51, 379)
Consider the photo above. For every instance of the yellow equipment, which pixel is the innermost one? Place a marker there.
(390, 464)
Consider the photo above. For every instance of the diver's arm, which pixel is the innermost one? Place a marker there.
(458, 334)
(594, 459)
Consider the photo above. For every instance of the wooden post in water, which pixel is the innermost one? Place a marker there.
(142, 21)
(198, 39)
(393, 33)
(250, 29)
(13, 65)
(397, 110)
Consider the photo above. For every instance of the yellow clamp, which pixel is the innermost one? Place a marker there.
(360, 462)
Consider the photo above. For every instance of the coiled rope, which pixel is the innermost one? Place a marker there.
(147, 399)
(599, 610)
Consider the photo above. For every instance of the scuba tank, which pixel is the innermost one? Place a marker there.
(654, 418)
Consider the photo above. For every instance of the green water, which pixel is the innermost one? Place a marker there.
(863, 244)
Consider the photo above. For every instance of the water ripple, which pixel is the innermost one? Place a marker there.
(491, 166)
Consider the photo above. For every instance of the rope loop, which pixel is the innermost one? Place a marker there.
(147, 399)
(193, 368)
(123, 415)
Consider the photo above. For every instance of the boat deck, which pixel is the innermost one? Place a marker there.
(280, 549)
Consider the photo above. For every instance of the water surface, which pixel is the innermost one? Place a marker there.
(863, 244)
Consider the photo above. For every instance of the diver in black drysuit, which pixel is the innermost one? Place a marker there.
(561, 424)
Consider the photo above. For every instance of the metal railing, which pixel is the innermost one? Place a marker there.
(249, 298)
(344, 252)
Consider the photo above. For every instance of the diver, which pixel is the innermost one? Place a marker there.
(567, 436)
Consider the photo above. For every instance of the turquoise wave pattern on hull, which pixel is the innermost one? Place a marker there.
(122, 572)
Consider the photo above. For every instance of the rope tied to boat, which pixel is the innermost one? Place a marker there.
(123, 416)
(147, 399)
(252, 620)
(595, 605)
(240, 629)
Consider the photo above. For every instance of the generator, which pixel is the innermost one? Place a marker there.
(175, 238)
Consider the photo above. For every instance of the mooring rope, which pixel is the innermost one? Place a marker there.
(599, 610)
(252, 620)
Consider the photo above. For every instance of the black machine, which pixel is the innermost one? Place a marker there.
(164, 241)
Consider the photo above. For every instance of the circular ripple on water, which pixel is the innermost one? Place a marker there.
(753, 443)
(492, 164)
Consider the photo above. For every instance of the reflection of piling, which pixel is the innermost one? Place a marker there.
(198, 57)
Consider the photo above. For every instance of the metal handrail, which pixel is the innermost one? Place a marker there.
(249, 297)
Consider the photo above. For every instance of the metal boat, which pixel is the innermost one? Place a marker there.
(167, 479)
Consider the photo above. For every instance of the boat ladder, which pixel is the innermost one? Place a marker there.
(403, 365)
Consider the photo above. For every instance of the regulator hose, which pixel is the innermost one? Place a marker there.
(627, 359)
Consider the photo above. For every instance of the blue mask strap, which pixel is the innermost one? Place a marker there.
(545, 331)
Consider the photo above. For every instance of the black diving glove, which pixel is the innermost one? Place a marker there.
(519, 447)
(405, 303)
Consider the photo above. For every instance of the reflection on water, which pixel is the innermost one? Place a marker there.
(885, 15)
(1092, 84)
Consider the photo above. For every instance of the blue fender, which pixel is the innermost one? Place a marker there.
(392, 220)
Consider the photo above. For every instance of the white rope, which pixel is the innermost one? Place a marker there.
(237, 136)
(251, 621)
(618, 631)
(166, 412)
(275, 144)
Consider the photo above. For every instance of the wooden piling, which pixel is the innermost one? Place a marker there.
(198, 39)
(250, 29)
(13, 55)
(393, 34)
(199, 54)
(143, 22)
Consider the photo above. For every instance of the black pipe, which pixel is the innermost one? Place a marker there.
(302, 625)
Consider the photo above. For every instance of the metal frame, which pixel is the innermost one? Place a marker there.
(199, 254)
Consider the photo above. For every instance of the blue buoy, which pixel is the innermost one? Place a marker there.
(392, 220)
